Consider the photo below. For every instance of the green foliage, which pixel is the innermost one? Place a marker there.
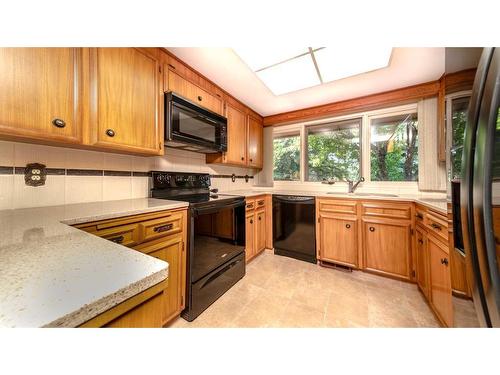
(286, 157)
(394, 152)
(334, 154)
(459, 123)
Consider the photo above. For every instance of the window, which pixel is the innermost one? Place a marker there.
(334, 151)
(286, 157)
(394, 148)
(458, 123)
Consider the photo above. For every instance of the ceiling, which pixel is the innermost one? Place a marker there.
(407, 67)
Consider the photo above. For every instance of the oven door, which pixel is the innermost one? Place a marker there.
(193, 128)
(218, 234)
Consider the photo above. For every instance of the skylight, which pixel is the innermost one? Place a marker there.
(289, 69)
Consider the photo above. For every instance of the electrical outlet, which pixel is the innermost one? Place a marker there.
(35, 174)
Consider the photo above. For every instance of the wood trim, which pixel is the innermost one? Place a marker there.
(441, 121)
(374, 101)
(459, 81)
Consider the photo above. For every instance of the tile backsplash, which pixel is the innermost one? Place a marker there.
(67, 189)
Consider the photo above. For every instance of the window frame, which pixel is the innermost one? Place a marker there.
(358, 119)
(365, 143)
(449, 126)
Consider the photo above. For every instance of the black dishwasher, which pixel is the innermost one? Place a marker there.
(294, 233)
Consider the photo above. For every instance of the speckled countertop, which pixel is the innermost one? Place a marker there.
(436, 203)
(54, 275)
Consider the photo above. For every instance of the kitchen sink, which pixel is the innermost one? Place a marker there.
(362, 194)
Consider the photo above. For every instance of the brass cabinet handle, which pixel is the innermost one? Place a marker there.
(260, 203)
(242, 158)
(250, 205)
(163, 228)
(420, 241)
(200, 98)
(436, 226)
(251, 221)
(110, 133)
(118, 239)
(348, 226)
(260, 218)
(170, 65)
(57, 122)
(444, 261)
(372, 229)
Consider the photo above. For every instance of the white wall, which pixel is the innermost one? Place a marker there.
(67, 189)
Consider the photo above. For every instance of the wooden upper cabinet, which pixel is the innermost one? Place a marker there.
(338, 239)
(126, 100)
(236, 136)
(194, 93)
(440, 280)
(386, 247)
(255, 142)
(40, 93)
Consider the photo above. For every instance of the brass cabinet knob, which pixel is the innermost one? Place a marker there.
(200, 98)
(110, 133)
(348, 226)
(57, 122)
(372, 229)
(251, 221)
(444, 261)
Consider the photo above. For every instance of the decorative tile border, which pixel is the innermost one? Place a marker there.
(5, 170)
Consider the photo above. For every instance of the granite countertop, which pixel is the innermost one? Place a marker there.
(436, 203)
(54, 275)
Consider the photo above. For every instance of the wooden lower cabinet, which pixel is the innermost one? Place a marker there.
(249, 236)
(338, 239)
(163, 236)
(173, 252)
(256, 232)
(422, 261)
(387, 247)
(440, 280)
(144, 310)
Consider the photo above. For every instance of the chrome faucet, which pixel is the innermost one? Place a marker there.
(352, 186)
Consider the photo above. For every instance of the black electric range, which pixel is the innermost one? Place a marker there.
(216, 236)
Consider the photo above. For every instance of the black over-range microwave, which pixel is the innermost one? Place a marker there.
(190, 127)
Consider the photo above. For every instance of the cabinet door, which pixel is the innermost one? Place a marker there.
(236, 136)
(126, 100)
(440, 280)
(422, 257)
(255, 142)
(260, 237)
(196, 94)
(249, 235)
(40, 91)
(338, 239)
(173, 252)
(387, 247)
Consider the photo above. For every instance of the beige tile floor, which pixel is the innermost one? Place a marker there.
(283, 292)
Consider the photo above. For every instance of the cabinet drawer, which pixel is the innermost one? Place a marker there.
(337, 206)
(420, 216)
(250, 204)
(164, 226)
(126, 235)
(437, 225)
(388, 210)
(260, 202)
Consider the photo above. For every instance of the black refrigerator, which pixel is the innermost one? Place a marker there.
(480, 200)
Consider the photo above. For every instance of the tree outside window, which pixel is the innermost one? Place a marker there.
(286, 157)
(394, 148)
(334, 151)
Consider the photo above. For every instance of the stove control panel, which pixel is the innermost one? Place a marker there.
(162, 180)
